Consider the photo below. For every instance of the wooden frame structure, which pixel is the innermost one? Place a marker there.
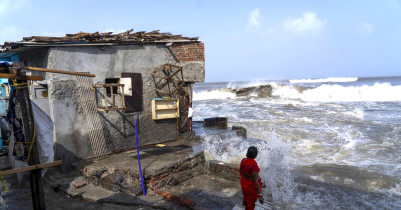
(112, 106)
(169, 78)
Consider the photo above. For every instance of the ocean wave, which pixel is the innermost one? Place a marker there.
(214, 94)
(330, 79)
(376, 92)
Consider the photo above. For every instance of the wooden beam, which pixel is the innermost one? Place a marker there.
(13, 76)
(107, 85)
(174, 73)
(162, 92)
(58, 71)
(30, 168)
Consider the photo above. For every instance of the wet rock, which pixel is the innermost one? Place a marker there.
(241, 131)
(189, 135)
(245, 91)
(262, 91)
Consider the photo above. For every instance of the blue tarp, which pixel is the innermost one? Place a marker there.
(5, 63)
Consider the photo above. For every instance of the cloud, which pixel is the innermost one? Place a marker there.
(12, 33)
(11, 5)
(307, 24)
(254, 21)
(367, 27)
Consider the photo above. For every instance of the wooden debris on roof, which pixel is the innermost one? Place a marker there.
(126, 36)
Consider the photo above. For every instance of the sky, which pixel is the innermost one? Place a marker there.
(244, 40)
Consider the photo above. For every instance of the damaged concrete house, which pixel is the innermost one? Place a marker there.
(102, 94)
(148, 76)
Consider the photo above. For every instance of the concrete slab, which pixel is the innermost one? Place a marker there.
(153, 158)
(96, 193)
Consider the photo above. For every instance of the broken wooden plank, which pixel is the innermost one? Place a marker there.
(107, 85)
(58, 71)
(30, 168)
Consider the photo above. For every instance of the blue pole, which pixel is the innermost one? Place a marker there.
(137, 155)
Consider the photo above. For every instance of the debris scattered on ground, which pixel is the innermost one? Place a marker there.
(79, 184)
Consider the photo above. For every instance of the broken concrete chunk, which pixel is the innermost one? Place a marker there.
(79, 184)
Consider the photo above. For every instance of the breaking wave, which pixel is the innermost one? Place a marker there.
(274, 158)
(214, 94)
(376, 92)
(330, 79)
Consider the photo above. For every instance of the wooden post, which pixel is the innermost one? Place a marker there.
(29, 127)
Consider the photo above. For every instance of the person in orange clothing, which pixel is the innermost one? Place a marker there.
(251, 183)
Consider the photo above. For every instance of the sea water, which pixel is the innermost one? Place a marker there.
(332, 143)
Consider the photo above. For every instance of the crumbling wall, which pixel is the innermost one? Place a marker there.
(70, 134)
(178, 172)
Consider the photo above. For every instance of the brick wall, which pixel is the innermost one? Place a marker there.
(185, 52)
(178, 172)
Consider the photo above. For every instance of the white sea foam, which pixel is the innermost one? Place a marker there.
(330, 79)
(214, 94)
(273, 159)
(357, 112)
(376, 92)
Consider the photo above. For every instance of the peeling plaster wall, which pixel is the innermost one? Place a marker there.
(70, 135)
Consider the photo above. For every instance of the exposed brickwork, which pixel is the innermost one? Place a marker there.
(185, 52)
(178, 172)
(177, 199)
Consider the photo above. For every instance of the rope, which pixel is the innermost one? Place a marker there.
(19, 86)
(4, 185)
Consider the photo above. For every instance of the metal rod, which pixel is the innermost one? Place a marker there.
(137, 155)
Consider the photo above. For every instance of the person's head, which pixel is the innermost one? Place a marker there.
(252, 152)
